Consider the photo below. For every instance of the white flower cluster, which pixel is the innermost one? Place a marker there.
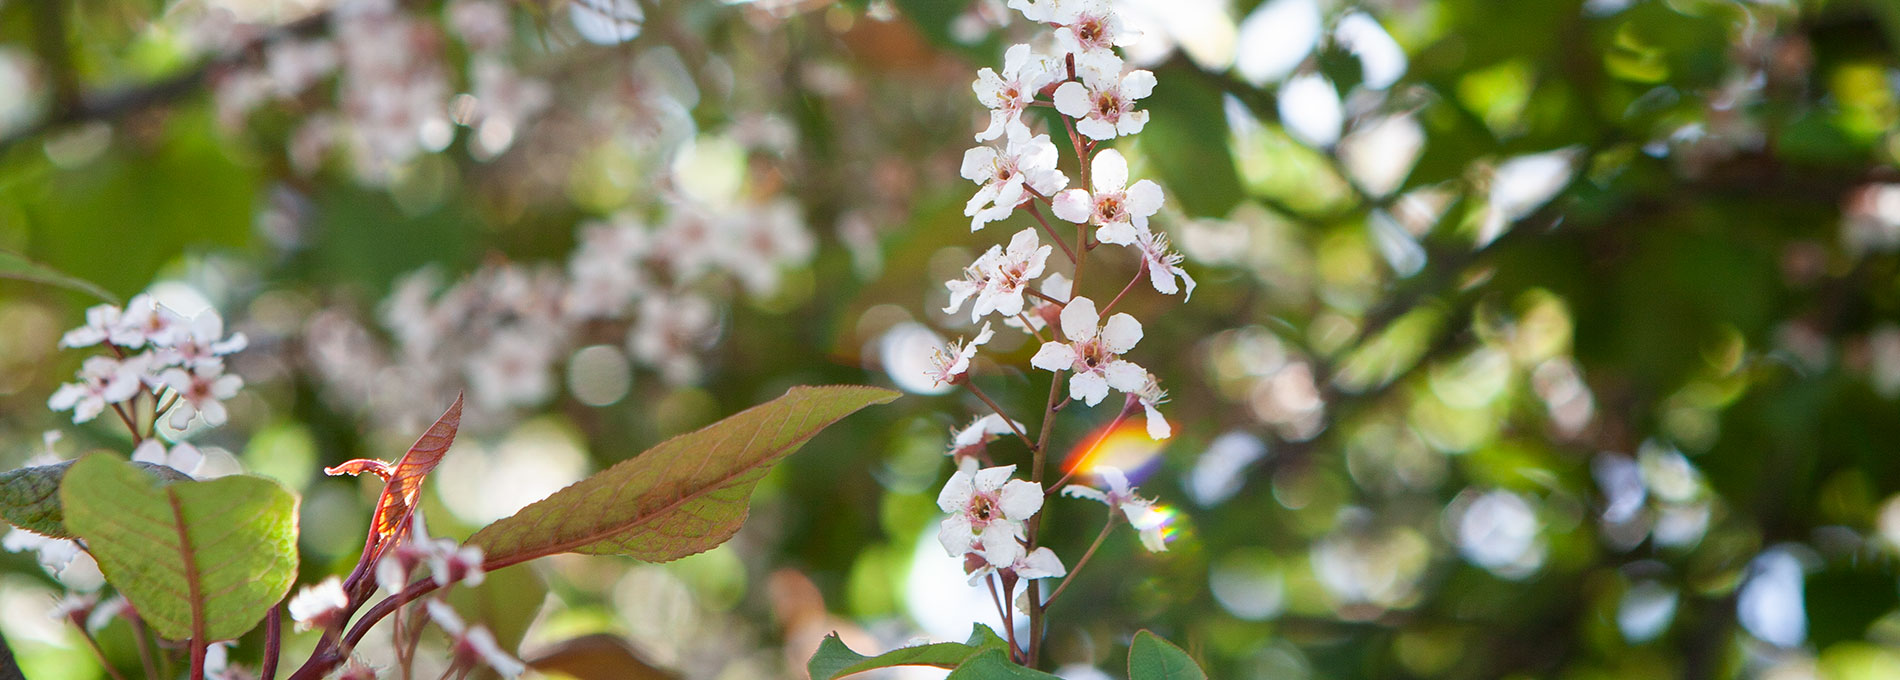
(502, 331)
(1082, 78)
(179, 362)
(393, 92)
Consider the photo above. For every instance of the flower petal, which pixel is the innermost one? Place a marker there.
(1089, 388)
(1074, 205)
(1072, 99)
(1020, 500)
(1158, 428)
(1126, 376)
(1138, 84)
(956, 492)
(1109, 171)
(978, 164)
(988, 480)
(1042, 563)
(1054, 356)
(1144, 198)
(1121, 334)
(954, 534)
(1079, 320)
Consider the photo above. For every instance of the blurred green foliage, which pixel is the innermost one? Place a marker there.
(1708, 292)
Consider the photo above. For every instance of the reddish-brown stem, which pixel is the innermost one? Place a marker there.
(143, 636)
(1002, 611)
(1013, 427)
(197, 658)
(332, 652)
(130, 425)
(1143, 269)
(1033, 212)
(273, 641)
(1046, 296)
(1064, 585)
(1024, 318)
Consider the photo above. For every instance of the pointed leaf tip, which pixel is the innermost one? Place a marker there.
(684, 496)
(1152, 658)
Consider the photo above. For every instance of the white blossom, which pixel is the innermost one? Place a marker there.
(1090, 30)
(669, 331)
(1140, 511)
(182, 457)
(949, 364)
(1151, 396)
(199, 341)
(997, 279)
(474, 643)
(1026, 163)
(101, 320)
(102, 380)
(1163, 265)
(513, 369)
(317, 606)
(1041, 312)
(144, 321)
(1035, 564)
(1103, 103)
(1094, 352)
(451, 564)
(1120, 212)
(1025, 73)
(201, 391)
(982, 430)
(987, 513)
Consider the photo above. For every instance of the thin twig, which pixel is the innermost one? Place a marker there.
(1064, 585)
(1066, 250)
(1013, 427)
(1143, 269)
(273, 639)
(1030, 327)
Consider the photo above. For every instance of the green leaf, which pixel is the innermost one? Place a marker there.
(981, 637)
(995, 665)
(201, 560)
(16, 266)
(687, 495)
(1152, 658)
(835, 660)
(1186, 140)
(29, 497)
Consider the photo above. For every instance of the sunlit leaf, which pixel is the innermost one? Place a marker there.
(1152, 658)
(835, 660)
(201, 560)
(684, 496)
(402, 482)
(994, 664)
(29, 497)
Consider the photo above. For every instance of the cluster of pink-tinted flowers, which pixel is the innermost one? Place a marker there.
(504, 331)
(178, 362)
(1077, 72)
(395, 97)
